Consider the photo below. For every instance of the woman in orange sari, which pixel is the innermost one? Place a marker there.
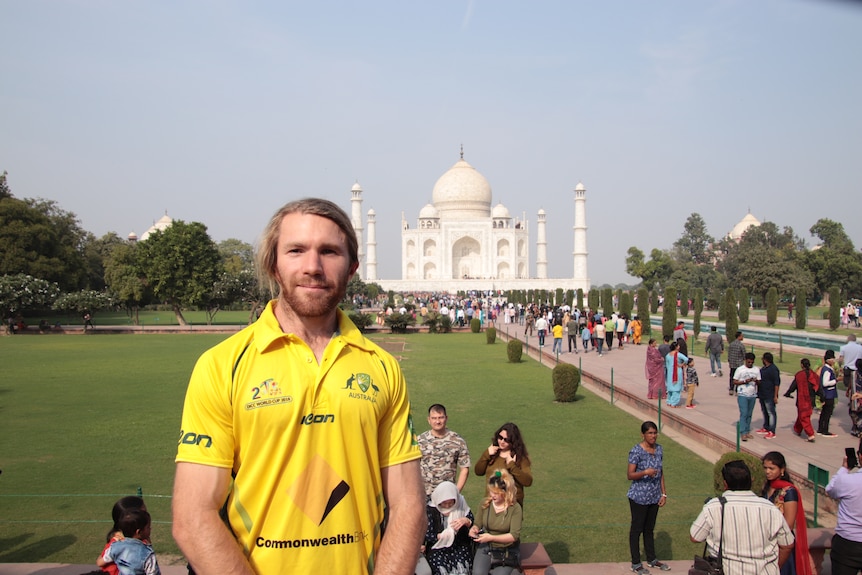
(636, 328)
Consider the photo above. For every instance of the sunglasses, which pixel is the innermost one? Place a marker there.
(501, 438)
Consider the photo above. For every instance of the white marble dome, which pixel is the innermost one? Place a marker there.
(743, 225)
(500, 211)
(462, 193)
(356, 187)
(429, 211)
(580, 187)
(164, 223)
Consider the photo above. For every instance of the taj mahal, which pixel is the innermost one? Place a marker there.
(460, 243)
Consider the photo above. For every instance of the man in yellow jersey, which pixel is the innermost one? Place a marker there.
(299, 427)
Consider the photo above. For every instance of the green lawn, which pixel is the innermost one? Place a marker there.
(84, 421)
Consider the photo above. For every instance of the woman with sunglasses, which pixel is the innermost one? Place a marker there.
(508, 452)
(497, 530)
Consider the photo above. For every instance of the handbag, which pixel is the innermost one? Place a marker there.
(706, 564)
(505, 556)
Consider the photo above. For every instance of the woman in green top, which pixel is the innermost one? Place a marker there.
(497, 528)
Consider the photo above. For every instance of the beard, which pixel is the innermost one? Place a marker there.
(314, 304)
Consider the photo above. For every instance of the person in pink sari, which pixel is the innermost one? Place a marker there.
(654, 371)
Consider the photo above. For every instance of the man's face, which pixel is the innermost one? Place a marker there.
(312, 264)
(749, 362)
(437, 421)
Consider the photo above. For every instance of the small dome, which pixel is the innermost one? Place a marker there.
(371, 212)
(429, 211)
(132, 237)
(580, 187)
(500, 211)
(356, 187)
(743, 225)
(541, 212)
(462, 193)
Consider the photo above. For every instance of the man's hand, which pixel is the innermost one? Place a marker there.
(199, 493)
(405, 496)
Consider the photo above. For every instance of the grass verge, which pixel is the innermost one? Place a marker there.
(87, 420)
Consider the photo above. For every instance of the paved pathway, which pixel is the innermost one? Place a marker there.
(717, 412)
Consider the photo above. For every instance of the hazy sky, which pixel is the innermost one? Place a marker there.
(221, 111)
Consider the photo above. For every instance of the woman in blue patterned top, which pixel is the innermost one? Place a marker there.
(646, 495)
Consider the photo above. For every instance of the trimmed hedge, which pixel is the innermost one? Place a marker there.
(491, 335)
(514, 350)
(567, 379)
(754, 464)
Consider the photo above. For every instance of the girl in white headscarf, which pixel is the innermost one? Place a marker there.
(448, 547)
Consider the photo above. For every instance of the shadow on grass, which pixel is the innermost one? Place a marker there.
(663, 544)
(578, 397)
(559, 550)
(34, 551)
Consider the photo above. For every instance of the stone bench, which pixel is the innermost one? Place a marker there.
(534, 559)
(819, 540)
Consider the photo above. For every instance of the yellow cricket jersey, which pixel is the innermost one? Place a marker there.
(305, 443)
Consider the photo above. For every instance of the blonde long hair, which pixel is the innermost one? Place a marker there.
(500, 480)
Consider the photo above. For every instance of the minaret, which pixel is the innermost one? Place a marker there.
(541, 248)
(356, 220)
(371, 263)
(581, 278)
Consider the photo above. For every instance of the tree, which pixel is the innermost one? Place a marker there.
(181, 265)
(5, 192)
(658, 270)
(836, 262)
(731, 323)
(653, 302)
(21, 292)
(608, 302)
(83, 301)
(558, 296)
(570, 297)
(695, 275)
(683, 301)
(125, 281)
(801, 308)
(626, 303)
(37, 240)
(232, 288)
(698, 311)
(744, 305)
(693, 245)
(668, 317)
(643, 304)
(237, 255)
(834, 307)
(593, 299)
(581, 299)
(96, 252)
(766, 257)
(71, 239)
(771, 306)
